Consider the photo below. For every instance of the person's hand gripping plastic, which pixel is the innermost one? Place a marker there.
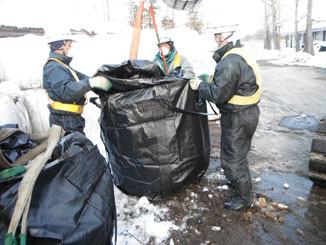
(100, 82)
(194, 83)
(206, 78)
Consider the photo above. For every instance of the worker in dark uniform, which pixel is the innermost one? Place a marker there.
(173, 58)
(235, 89)
(66, 87)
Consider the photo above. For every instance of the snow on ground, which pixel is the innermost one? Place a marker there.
(23, 101)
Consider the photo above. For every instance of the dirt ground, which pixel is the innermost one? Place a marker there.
(279, 155)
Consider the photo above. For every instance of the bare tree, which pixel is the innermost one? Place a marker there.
(147, 19)
(194, 22)
(273, 21)
(133, 9)
(108, 10)
(167, 23)
(276, 24)
(296, 25)
(268, 38)
(308, 37)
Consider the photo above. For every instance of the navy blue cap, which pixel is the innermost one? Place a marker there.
(56, 45)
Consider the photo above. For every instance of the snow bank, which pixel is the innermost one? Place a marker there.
(288, 56)
(22, 60)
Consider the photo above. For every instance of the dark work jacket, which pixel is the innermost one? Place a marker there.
(61, 85)
(232, 76)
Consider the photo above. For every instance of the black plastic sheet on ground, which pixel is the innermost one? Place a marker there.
(73, 199)
(154, 149)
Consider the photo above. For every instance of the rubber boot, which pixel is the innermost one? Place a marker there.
(249, 176)
(243, 200)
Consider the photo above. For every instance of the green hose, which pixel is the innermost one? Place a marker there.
(11, 172)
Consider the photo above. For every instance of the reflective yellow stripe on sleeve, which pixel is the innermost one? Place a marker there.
(176, 61)
(252, 99)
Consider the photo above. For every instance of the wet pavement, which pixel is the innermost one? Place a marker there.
(295, 215)
(305, 221)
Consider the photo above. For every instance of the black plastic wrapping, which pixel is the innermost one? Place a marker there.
(16, 144)
(73, 199)
(154, 149)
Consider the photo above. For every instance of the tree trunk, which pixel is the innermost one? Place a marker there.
(108, 9)
(308, 41)
(268, 39)
(275, 25)
(296, 27)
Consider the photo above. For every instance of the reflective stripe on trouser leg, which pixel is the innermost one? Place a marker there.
(237, 131)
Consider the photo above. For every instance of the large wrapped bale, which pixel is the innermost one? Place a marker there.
(156, 145)
(72, 201)
(36, 101)
(13, 111)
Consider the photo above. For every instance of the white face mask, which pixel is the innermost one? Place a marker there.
(165, 51)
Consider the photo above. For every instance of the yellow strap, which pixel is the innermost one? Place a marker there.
(71, 70)
(252, 99)
(176, 61)
(56, 105)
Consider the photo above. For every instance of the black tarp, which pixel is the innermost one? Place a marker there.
(155, 148)
(73, 199)
(16, 144)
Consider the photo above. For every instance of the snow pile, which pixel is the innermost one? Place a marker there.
(288, 56)
(140, 222)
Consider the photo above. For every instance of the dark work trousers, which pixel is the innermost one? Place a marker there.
(71, 123)
(237, 131)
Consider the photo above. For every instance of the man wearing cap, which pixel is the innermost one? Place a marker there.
(235, 89)
(66, 87)
(172, 58)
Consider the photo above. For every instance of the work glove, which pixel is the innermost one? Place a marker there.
(206, 78)
(194, 83)
(100, 82)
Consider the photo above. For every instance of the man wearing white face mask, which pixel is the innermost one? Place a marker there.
(173, 59)
(66, 87)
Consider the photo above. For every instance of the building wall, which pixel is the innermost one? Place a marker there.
(319, 35)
